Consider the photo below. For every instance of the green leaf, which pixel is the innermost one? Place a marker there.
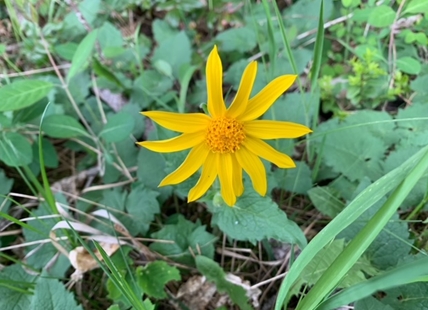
(326, 200)
(5, 187)
(255, 218)
(66, 50)
(16, 286)
(411, 296)
(119, 127)
(142, 206)
(50, 294)
(323, 260)
(382, 16)
(182, 54)
(63, 126)
(82, 54)
(356, 146)
(153, 277)
(409, 65)
(416, 6)
(237, 39)
(214, 273)
(15, 149)
(297, 180)
(49, 154)
(185, 235)
(371, 303)
(21, 94)
(103, 71)
(359, 205)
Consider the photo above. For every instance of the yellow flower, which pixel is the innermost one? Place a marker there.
(228, 139)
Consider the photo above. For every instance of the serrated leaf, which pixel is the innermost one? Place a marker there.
(21, 94)
(416, 6)
(180, 44)
(371, 303)
(409, 65)
(214, 273)
(356, 146)
(326, 200)
(119, 127)
(142, 206)
(16, 286)
(82, 54)
(382, 16)
(154, 276)
(320, 263)
(237, 39)
(62, 126)
(255, 218)
(15, 149)
(50, 294)
(185, 235)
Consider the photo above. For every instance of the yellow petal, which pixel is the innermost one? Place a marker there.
(264, 150)
(180, 143)
(206, 179)
(274, 130)
(255, 169)
(261, 102)
(238, 187)
(214, 73)
(191, 164)
(239, 104)
(190, 122)
(225, 174)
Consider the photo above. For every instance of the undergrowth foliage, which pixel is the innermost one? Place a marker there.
(83, 221)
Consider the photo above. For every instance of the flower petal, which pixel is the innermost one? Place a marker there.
(191, 164)
(274, 130)
(239, 104)
(264, 150)
(255, 169)
(238, 187)
(214, 73)
(261, 102)
(180, 143)
(190, 122)
(225, 174)
(208, 175)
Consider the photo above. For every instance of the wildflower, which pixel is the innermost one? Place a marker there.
(228, 139)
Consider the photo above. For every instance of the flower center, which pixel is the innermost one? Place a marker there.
(225, 135)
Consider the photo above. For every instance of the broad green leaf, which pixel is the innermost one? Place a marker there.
(15, 149)
(162, 30)
(416, 6)
(148, 87)
(356, 146)
(82, 54)
(371, 303)
(297, 180)
(103, 71)
(409, 65)
(358, 206)
(255, 218)
(21, 94)
(382, 16)
(63, 126)
(119, 126)
(419, 85)
(326, 200)
(109, 36)
(16, 288)
(405, 297)
(403, 274)
(142, 206)
(153, 277)
(5, 187)
(182, 54)
(323, 260)
(214, 273)
(185, 235)
(49, 154)
(50, 294)
(66, 50)
(237, 39)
